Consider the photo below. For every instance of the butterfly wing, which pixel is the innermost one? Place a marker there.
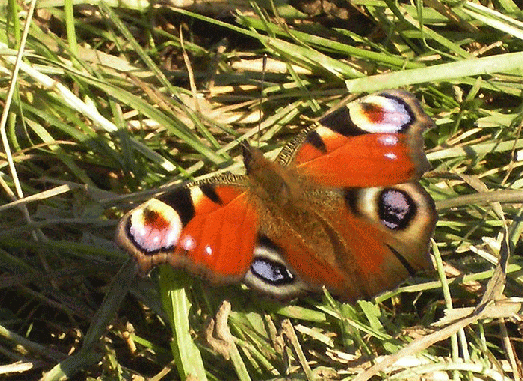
(375, 141)
(207, 227)
(371, 233)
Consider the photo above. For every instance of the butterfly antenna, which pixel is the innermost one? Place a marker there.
(247, 154)
(247, 149)
(262, 88)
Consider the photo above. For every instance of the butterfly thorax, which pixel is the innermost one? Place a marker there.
(270, 182)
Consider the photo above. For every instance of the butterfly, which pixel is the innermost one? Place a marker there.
(340, 207)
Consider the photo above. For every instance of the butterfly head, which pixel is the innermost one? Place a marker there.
(268, 180)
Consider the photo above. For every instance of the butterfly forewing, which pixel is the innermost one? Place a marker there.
(376, 141)
(205, 227)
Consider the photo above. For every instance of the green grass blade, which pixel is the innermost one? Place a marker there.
(501, 63)
(178, 308)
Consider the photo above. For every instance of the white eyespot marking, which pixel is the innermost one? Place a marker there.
(378, 114)
(391, 156)
(155, 226)
(187, 243)
(388, 140)
(208, 250)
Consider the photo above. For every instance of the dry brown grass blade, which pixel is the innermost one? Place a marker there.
(499, 309)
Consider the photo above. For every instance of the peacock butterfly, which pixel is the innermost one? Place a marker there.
(341, 206)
